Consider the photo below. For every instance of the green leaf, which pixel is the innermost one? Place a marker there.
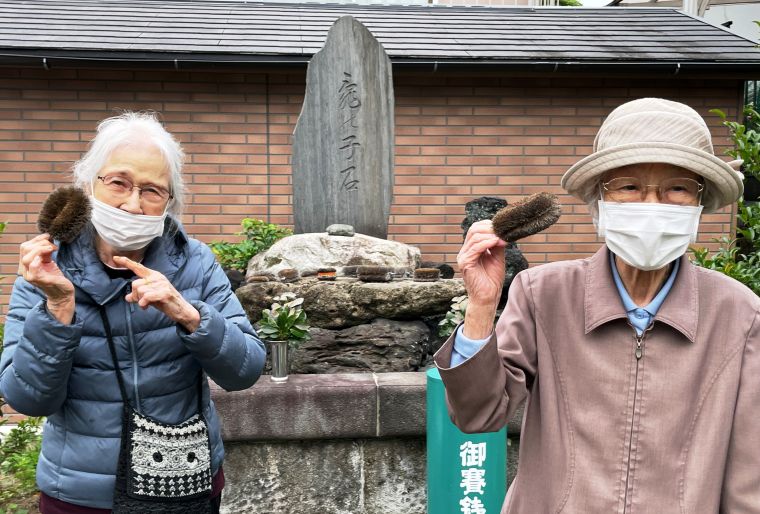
(286, 320)
(258, 236)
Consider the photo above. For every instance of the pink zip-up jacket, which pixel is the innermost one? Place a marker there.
(674, 431)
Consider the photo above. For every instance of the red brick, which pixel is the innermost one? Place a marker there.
(446, 150)
(467, 136)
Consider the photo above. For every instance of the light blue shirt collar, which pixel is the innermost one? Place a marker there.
(641, 317)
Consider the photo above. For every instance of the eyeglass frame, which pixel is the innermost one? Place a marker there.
(139, 188)
(645, 188)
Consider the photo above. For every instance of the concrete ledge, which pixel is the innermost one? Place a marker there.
(346, 405)
(330, 406)
(401, 404)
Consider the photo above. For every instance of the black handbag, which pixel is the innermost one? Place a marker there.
(162, 468)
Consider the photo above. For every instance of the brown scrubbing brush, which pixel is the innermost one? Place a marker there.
(64, 214)
(529, 216)
(427, 274)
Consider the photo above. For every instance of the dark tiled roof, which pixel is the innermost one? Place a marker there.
(240, 31)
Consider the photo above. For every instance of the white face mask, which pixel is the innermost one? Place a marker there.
(648, 235)
(123, 230)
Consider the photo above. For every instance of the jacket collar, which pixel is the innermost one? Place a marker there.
(602, 301)
(80, 262)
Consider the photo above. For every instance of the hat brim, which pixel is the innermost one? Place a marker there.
(724, 185)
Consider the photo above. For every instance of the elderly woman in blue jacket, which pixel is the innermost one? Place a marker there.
(172, 320)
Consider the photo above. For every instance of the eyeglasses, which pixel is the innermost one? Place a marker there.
(122, 187)
(677, 191)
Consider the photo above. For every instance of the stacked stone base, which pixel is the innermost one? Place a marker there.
(330, 444)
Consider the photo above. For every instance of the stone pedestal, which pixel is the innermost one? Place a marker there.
(329, 444)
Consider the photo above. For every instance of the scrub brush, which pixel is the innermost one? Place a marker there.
(64, 214)
(529, 216)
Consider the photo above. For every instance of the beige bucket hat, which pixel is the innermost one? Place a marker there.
(656, 130)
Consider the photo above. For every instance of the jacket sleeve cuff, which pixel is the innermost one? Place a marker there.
(50, 336)
(465, 377)
(464, 347)
(206, 341)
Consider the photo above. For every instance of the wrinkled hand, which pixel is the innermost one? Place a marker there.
(37, 266)
(481, 262)
(152, 289)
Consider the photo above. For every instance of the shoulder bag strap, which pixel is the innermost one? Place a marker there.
(112, 349)
(119, 376)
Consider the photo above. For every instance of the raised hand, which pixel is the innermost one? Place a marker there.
(152, 289)
(37, 266)
(481, 262)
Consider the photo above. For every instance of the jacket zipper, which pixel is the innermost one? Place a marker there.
(639, 353)
(132, 347)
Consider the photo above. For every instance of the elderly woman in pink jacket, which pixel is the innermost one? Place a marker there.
(640, 372)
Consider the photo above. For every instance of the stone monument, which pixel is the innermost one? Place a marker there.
(343, 140)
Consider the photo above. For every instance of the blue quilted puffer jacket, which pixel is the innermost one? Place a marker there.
(65, 372)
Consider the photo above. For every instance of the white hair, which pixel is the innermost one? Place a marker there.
(131, 127)
(592, 192)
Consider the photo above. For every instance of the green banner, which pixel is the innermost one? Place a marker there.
(467, 473)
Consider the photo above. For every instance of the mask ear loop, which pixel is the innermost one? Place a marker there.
(166, 207)
(702, 194)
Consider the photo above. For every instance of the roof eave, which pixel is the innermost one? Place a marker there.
(60, 58)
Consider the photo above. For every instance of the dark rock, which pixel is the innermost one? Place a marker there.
(235, 277)
(483, 208)
(515, 262)
(380, 346)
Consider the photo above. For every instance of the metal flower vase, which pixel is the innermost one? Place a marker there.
(280, 360)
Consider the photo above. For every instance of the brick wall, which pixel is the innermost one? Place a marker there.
(457, 138)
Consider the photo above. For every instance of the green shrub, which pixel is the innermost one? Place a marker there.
(740, 258)
(746, 139)
(19, 452)
(14, 508)
(258, 237)
(454, 317)
(729, 259)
